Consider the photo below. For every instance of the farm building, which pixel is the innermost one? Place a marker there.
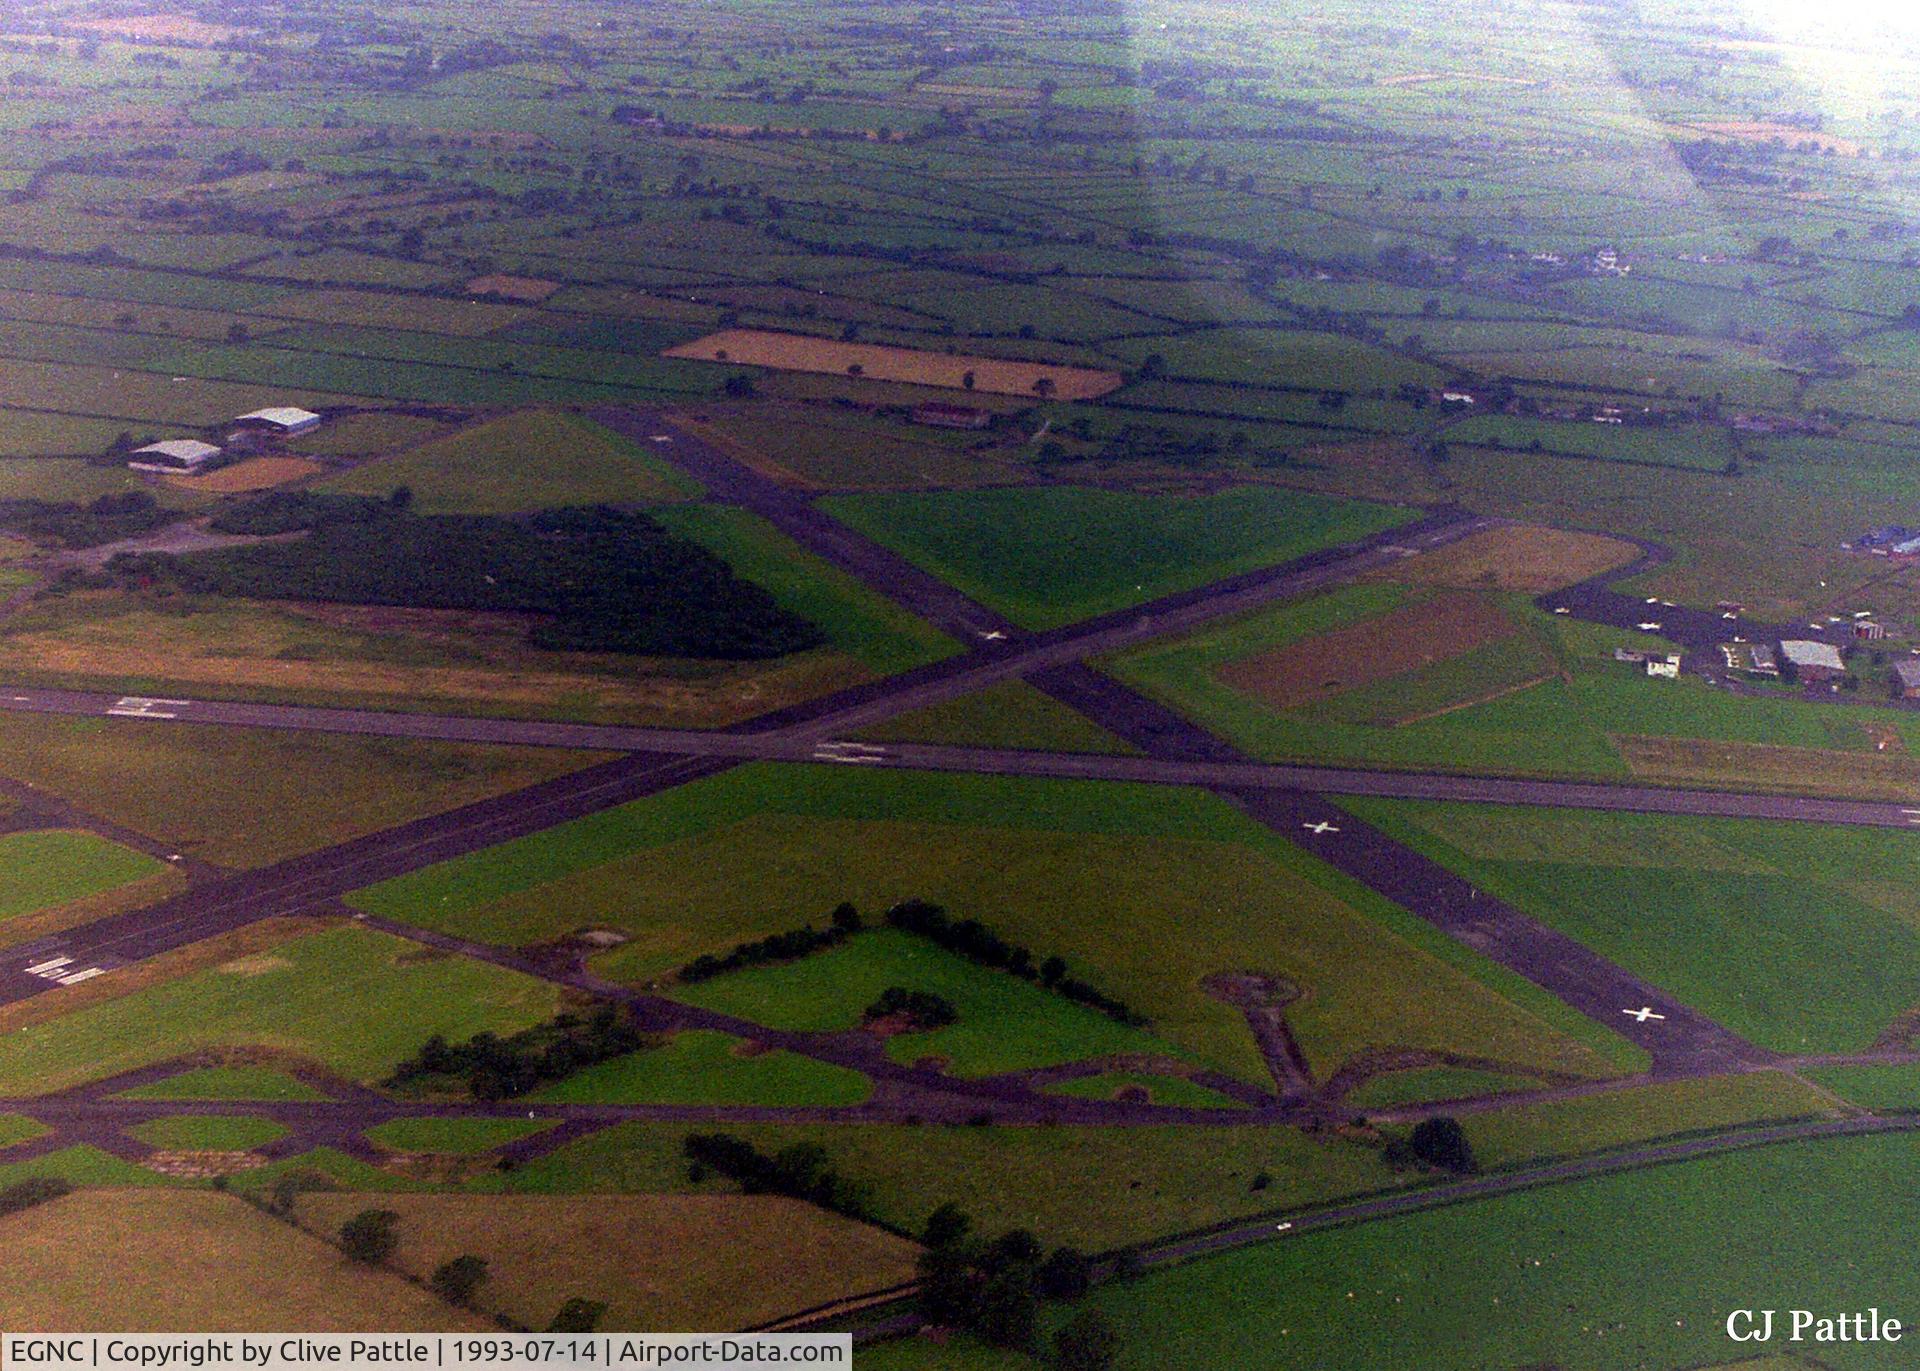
(1666, 666)
(936, 415)
(1869, 630)
(1809, 661)
(281, 419)
(1906, 678)
(175, 454)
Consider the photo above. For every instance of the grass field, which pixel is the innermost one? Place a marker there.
(1167, 1090)
(1005, 714)
(1802, 941)
(227, 1083)
(1004, 1023)
(659, 1262)
(1623, 1271)
(170, 1261)
(208, 1133)
(259, 795)
(857, 621)
(1055, 555)
(1145, 891)
(287, 999)
(1130, 1183)
(52, 867)
(453, 1135)
(698, 1067)
(533, 459)
(1519, 557)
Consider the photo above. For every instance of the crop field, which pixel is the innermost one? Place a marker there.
(256, 473)
(1780, 934)
(1623, 1253)
(661, 1263)
(535, 459)
(1117, 880)
(1520, 558)
(1051, 556)
(1327, 665)
(286, 999)
(259, 796)
(798, 352)
(166, 1261)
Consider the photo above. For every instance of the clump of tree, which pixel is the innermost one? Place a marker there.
(459, 1280)
(496, 1068)
(921, 1008)
(978, 943)
(369, 1237)
(789, 946)
(993, 1289)
(1438, 1142)
(73, 524)
(23, 1195)
(604, 579)
(800, 1171)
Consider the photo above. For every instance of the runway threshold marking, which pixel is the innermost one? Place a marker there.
(141, 707)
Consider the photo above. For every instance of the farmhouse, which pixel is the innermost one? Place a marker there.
(1809, 661)
(173, 455)
(280, 419)
(936, 415)
(1906, 678)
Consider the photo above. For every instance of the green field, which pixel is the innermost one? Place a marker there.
(208, 1133)
(1005, 714)
(699, 1067)
(1801, 940)
(1129, 1183)
(1617, 1272)
(1004, 1024)
(53, 866)
(452, 1135)
(856, 619)
(1056, 555)
(227, 1083)
(535, 459)
(287, 999)
(1145, 891)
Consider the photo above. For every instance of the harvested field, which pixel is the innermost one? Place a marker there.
(530, 290)
(1524, 557)
(162, 28)
(795, 352)
(1767, 131)
(256, 473)
(1329, 664)
(172, 1261)
(660, 1262)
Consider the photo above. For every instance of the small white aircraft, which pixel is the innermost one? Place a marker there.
(1322, 828)
(1647, 627)
(993, 635)
(1642, 1014)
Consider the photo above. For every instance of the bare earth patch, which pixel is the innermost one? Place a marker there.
(1372, 650)
(797, 352)
(1524, 557)
(529, 290)
(256, 473)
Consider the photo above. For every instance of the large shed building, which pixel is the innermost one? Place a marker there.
(173, 455)
(1810, 662)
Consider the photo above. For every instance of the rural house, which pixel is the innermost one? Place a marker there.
(936, 415)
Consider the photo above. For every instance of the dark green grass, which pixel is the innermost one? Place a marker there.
(1055, 555)
(700, 1067)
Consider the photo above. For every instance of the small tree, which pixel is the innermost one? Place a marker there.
(1064, 1274)
(457, 1281)
(577, 1316)
(945, 1226)
(368, 1236)
(1008, 1313)
(966, 380)
(1085, 1344)
(847, 919)
(1442, 1142)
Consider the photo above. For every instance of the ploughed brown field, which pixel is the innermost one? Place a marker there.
(1372, 650)
(876, 362)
